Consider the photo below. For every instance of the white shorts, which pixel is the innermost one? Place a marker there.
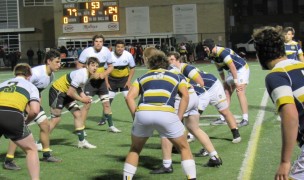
(166, 123)
(214, 96)
(243, 76)
(192, 108)
(297, 169)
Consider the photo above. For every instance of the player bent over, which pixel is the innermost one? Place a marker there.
(42, 77)
(65, 91)
(15, 95)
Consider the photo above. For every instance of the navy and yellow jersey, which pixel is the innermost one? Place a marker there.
(103, 56)
(209, 80)
(189, 71)
(76, 79)
(158, 89)
(293, 50)
(40, 78)
(17, 93)
(198, 89)
(181, 76)
(122, 64)
(226, 56)
(285, 85)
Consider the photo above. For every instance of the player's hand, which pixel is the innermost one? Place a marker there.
(87, 100)
(128, 85)
(283, 171)
(108, 86)
(239, 87)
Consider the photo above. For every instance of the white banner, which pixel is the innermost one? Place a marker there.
(90, 27)
(137, 20)
(184, 19)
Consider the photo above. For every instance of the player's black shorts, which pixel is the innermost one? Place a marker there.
(96, 87)
(58, 100)
(12, 124)
(117, 84)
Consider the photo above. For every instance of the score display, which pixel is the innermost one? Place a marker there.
(86, 12)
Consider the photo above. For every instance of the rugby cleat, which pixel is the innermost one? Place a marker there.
(162, 170)
(10, 165)
(202, 153)
(218, 122)
(214, 161)
(85, 144)
(50, 159)
(114, 129)
(243, 123)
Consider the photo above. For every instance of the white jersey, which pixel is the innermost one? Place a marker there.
(122, 64)
(17, 92)
(77, 78)
(126, 59)
(40, 78)
(103, 56)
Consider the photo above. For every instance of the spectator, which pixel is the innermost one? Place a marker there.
(30, 55)
(39, 56)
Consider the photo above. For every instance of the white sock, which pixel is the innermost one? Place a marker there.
(189, 168)
(129, 171)
(245, 116)
(222, 118)
(167, 163)
(213, 153)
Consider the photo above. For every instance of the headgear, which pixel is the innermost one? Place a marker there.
(209, 43)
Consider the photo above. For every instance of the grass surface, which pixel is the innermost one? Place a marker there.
(106, 162)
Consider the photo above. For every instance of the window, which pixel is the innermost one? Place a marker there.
(301, 33)
(272, 6)
(38, 3)
(287, 7)
(301, 7)
(258, 8)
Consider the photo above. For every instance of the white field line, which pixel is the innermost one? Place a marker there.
(248, 162)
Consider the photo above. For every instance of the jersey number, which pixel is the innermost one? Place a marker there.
(158, 76)
(11, 88)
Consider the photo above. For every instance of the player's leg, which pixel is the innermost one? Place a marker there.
(9, 158)
(28, 145)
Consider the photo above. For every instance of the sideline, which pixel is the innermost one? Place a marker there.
(248, 162)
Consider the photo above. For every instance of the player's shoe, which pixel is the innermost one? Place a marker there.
(10, 165)
(85, 144)
(202, 153)
(114, 129)
(50, 159)
(102, 122)
(162, 170)
(190, 138)
(85, 134)
(215, 161)
(39, 147)
(243, 123)
(218, 122)
(237, 140)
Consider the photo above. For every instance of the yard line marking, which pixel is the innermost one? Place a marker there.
(248, 162)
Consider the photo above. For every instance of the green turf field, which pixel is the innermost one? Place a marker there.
(256, 157)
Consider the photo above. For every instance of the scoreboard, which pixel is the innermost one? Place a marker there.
(90, 15)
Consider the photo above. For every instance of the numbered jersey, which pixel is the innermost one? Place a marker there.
(158, 89)
(40, 78)
(17, 93)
